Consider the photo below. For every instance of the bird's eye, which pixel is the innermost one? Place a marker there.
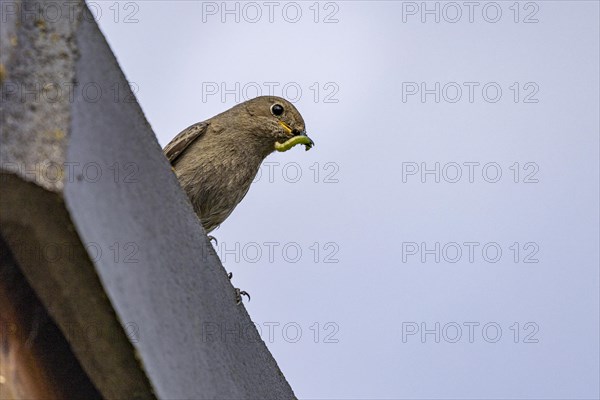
(277, 109)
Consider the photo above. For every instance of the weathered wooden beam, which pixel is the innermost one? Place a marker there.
(137, 290)
(36, 362)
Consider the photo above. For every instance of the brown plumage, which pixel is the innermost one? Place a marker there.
(216, 160)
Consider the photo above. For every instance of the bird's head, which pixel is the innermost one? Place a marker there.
(278, 123)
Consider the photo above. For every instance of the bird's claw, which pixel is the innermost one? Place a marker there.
(238, 295)
(213, 239)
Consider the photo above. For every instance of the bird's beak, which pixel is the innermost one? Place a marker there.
(310, 143)
(286, 127)
(298, 137)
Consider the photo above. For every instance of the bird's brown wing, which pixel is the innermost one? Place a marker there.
(181, 142)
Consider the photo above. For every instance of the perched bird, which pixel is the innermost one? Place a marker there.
(217, 160)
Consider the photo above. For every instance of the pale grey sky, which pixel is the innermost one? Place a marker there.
(352, 251)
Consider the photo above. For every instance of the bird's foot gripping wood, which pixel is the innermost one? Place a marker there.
(238, 293)
(213, 239)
